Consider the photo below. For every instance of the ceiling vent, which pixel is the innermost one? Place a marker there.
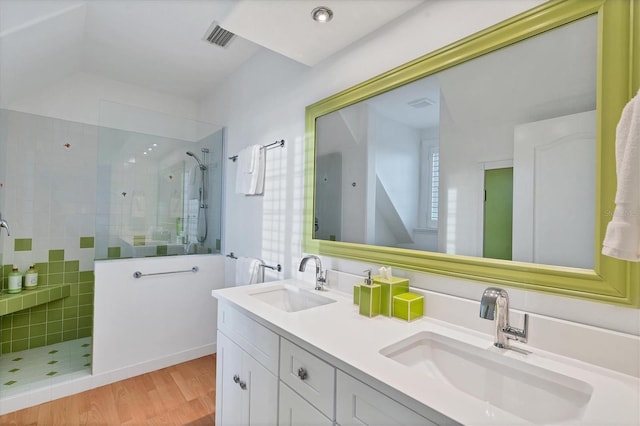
(218, 35)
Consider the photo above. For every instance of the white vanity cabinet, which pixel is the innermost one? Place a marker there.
(360, 404)
(246, 392)
(265, 379)
(246, 371)
(312, 381)
(295, 411)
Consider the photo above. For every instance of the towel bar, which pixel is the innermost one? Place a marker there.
(275, 144)
(138, 274)
(278, 267)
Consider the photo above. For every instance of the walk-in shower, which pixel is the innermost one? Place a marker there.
(202, 196)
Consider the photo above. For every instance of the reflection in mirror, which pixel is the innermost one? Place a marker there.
(494, 157)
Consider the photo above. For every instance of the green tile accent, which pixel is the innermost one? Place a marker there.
(70, 335)
(54, 338)
(29, 300)
(13, 370)
(49, 313)
(37, 330)
(54, 327)
(52, 352)
(86, 355)
(37, 341)
(85, 299)
(85, 345)
(10, 382)
(56, 267)
(139, 240)
(14, 304)
(86, 276)
(21, 319)
(218, 244)
(19, 333)
(38, 317)
(17, 359)
(161, 250)
(52, 373)
(113, 252)
(43, 269)
(54, 315)
(56, 279)
(56, 255)
(70, 277)
(52, 362)
(22, 244)
(87, 364)
(86, 242)
(72, 266)
(85, 288)
(19, 345)
(84, 322)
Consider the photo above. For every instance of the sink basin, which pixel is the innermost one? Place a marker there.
(290, 298)
(530, 392)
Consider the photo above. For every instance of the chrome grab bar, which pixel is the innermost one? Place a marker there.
(138, 274)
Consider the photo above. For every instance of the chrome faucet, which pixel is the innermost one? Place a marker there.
(320, 279)
(495, 305)
(4, 224)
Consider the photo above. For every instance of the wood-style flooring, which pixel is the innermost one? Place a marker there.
(183, 394)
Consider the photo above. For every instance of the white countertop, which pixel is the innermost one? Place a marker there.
(353, 343)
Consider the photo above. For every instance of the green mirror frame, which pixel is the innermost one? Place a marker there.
(618, 78)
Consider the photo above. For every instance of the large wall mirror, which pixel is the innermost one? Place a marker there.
(490, 159)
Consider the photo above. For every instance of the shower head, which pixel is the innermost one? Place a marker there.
(191, 154)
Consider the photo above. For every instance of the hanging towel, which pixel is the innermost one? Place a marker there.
(250, 170)
(248, 271)
(261, 169)
(622, 239)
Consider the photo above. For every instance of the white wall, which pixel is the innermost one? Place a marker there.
(91, 99)
(265, 101)
(152, 322)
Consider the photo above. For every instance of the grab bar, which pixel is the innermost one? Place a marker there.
(138, 274)
(278, 267)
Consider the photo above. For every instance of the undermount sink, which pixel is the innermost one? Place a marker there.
(530, 392)
(291, 298)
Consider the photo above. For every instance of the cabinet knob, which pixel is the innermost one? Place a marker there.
(302, 373)
(243, 385)
(236, 379)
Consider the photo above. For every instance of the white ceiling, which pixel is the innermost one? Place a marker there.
(158, 44)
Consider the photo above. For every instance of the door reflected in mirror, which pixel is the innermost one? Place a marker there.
(494, 157)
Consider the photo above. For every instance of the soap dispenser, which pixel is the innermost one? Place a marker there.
(369, 297)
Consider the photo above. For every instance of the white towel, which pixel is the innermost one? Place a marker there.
(250, 170)
(622, 239)
(248, 271)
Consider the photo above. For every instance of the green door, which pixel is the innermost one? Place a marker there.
(498, 213)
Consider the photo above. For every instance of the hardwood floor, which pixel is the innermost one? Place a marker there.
(183, 394)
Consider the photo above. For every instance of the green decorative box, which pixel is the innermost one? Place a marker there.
(408, 306)
(370, 300)
(356, 294)
(389, 289)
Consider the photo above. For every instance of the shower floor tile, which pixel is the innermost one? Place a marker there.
(43, 366)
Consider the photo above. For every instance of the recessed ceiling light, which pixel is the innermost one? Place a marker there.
(322, 14)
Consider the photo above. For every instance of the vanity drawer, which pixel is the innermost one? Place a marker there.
(308, 375)
(256, 339)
